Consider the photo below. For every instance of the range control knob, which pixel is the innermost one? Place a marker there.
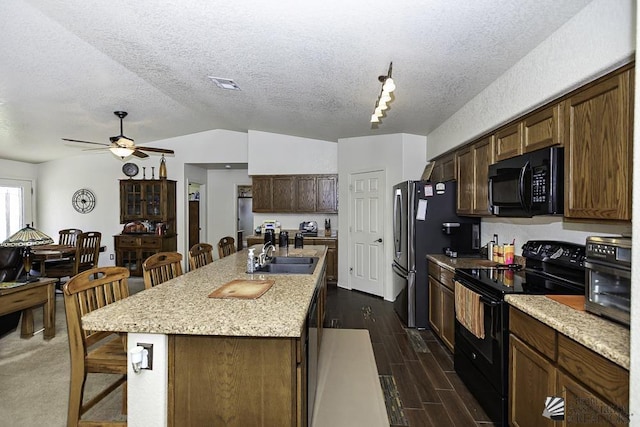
(557, 254)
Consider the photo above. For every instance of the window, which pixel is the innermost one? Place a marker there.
(15, 206)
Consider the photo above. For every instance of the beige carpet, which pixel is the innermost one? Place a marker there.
(349, 392)
(34, 377)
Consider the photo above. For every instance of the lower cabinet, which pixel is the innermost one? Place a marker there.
(545, 363)
(236, 381)
(131, 250)
(442, 315)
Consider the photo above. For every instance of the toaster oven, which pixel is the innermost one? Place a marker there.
(608, 277)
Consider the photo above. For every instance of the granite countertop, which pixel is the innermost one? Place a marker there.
(605, 337)
(182, 305)
(453, 263)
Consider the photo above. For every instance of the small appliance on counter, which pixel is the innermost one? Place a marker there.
(608, 277)
(270, 224)
(309, 228)
(465, 239)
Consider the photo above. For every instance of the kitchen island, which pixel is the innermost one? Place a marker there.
(219, 361)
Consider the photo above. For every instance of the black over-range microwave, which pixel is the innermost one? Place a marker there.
(529, 184)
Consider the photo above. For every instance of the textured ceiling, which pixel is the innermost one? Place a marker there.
(305, 68)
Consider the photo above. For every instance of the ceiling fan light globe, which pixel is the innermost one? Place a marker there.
(121, 151)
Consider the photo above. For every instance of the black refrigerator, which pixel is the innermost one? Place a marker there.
(419, 211)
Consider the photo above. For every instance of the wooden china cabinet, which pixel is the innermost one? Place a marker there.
(152, 200)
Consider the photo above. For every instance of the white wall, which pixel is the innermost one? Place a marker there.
(401, 157)
(596, 40)
(99, 173)
(275, 154)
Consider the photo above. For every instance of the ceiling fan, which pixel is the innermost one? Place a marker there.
(121, 145)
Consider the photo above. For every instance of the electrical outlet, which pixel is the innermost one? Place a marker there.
(149, 348)
(111, 257)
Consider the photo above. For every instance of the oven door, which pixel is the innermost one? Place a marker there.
(482, 363)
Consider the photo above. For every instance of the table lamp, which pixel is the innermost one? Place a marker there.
(26, 238)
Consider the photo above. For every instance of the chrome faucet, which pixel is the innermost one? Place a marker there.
(267, 253)
(268, 249)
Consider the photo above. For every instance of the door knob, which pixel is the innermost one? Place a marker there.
(378, 241)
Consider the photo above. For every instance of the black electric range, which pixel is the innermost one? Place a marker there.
(551, 267)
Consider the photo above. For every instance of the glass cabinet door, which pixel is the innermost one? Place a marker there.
(133, 200)
(153, 199)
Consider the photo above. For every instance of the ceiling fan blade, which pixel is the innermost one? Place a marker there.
(84, 142)
(155, 150)
(140, 154)
(96, 149)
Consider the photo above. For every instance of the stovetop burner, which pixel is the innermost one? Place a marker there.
(500, 281)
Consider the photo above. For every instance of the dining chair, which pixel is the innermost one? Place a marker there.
(200, 255)
(160, 267)
(94, 351)
(85, 258)
(68, 236)
(226, 246)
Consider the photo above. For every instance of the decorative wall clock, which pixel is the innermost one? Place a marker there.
(83, 200)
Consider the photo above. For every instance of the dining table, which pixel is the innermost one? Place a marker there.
(44, 253)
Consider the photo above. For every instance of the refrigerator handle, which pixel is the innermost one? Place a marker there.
(397, 210)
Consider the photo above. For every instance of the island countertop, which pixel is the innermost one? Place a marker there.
(182, 305)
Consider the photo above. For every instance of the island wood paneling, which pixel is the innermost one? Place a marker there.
(232, 381)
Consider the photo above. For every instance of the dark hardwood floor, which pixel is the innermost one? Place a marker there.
(415, 363)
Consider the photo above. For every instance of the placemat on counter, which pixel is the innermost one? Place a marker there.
(574, 301)
(243, 289)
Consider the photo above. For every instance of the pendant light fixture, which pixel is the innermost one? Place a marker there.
(385, 98)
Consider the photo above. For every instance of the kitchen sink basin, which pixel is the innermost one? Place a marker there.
(289, 265)
(294, 260)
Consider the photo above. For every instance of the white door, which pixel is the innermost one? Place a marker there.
(366, 229)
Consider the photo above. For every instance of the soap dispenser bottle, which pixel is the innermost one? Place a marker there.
(251, 261)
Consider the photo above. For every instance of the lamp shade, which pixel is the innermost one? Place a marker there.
(121, 151)
(28, 236)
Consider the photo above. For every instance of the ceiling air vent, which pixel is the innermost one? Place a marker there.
(225, 83)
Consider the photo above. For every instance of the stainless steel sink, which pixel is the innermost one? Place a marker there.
(290, 265)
